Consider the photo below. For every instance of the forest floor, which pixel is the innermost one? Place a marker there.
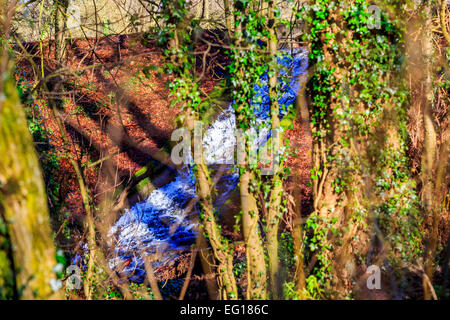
(116, 105)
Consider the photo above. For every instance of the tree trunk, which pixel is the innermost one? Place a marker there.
(256, 266)
(23, 205)
(360, 177)
(60, 7)
(429, 152)
(228, 17)
(220, 247)
(274, 212)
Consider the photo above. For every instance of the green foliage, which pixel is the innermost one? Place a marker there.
(240, 268)
(287, 252)
(316, 230)
(314, 288)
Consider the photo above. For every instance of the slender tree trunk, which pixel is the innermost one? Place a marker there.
(429, 152)
(274, 212)
(220, 247)
(207, 262)
(297, 236)
(303, 112)
(444, 21)
(256, 266)
(222, 251)
(60, 21)
(228, 17)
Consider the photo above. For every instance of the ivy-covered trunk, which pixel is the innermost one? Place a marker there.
(364, 201)
(245, 70)
(275, 213)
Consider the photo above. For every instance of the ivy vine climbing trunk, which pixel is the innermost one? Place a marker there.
(274, 213)
(362, 193)
(256, 266)
(245, 74)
